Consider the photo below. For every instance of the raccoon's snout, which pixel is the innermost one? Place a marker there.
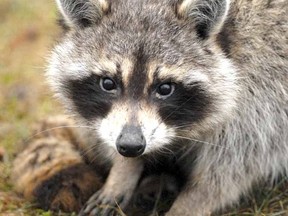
(131, 142)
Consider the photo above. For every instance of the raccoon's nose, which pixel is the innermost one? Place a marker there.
(131, 142)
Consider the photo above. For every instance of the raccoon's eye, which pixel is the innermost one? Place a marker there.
(165, 90)
(108, 84)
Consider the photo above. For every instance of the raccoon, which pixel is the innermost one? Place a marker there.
(201, 81)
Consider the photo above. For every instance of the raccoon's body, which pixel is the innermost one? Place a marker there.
(203, 81)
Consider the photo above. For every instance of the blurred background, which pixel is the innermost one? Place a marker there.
(28, 30)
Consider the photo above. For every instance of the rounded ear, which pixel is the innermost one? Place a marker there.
(208, 16)
(82, 13)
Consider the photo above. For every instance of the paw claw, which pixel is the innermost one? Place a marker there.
(102, 204)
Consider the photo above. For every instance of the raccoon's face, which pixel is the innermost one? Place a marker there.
(144, 74)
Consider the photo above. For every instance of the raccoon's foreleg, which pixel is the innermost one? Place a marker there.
(118, 189)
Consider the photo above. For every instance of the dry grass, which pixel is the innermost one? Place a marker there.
(27, 30)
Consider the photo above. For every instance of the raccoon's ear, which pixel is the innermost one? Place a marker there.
(82, 13)
(208, 16)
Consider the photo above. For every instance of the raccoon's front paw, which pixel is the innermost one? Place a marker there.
(105, 203)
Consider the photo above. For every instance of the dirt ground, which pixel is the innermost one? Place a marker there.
(27, 32)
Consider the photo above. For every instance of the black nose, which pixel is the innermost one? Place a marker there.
(131, 142)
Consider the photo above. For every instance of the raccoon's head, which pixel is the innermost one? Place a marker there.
(144, 73)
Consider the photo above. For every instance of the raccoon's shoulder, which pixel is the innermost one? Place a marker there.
(255, 28)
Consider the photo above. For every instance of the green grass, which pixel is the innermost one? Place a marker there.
(27, 29)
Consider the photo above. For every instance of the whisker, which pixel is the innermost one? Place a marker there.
(162, 120)
(111, 155)
(177, 109)
(54, 128)
(185, 154)
(88, 150)
(200, 141)
(152, 159)
(166, 150)
(182, 126)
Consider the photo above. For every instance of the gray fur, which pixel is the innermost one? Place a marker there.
(247, 127)
(78, 13)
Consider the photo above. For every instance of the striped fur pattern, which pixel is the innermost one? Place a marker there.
(51, 170)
